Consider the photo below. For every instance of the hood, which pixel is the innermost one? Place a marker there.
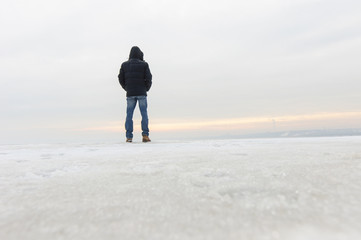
(136, 53)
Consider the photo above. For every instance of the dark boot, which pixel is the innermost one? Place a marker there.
(146, 138)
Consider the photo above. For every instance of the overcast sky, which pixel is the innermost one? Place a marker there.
(230, 65)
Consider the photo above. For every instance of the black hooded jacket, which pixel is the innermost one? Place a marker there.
(134, 75)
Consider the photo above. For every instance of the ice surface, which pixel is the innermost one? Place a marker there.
(305, 188)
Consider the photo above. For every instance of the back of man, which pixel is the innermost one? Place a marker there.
(136, 79)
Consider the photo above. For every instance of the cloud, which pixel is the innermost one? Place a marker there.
(210, 60)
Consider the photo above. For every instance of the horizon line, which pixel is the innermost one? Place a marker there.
(246, 123)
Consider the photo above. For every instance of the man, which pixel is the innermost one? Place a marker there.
(136, 79)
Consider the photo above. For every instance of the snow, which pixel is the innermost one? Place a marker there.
(295, 188)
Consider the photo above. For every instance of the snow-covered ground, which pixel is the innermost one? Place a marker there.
(305, 188)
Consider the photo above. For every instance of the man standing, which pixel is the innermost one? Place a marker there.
(136, 79)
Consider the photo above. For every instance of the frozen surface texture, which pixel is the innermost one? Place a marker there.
(306, 188)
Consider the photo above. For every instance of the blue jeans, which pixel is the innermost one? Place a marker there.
(131, 103)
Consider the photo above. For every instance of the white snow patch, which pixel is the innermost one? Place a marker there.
(294, 189)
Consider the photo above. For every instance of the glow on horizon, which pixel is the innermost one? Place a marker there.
(287, 122)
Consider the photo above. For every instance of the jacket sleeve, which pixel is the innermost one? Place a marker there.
(148, 78)
(121, 78)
